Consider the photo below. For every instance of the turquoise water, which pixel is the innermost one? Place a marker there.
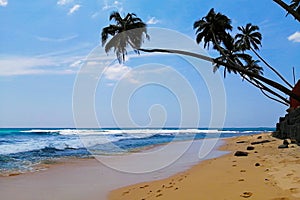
(23, 149)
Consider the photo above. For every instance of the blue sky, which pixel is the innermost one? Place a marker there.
(44, 44)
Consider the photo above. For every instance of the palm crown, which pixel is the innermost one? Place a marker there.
(127, 31)
(212, 28)
(249, 37)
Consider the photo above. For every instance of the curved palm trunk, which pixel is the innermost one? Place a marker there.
(234, 67)
(186, 53)
(274, 70)
(265, 89)
(288, 9)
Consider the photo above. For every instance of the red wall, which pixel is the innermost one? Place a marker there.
(294, 103)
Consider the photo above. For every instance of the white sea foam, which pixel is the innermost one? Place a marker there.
(92, 137)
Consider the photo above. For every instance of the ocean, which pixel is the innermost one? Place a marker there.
(25, 149)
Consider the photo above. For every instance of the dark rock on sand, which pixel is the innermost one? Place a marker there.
(260, 142)
(283, 146)
(293, 141)
(250, 148)
(286, 142)
(241, 153)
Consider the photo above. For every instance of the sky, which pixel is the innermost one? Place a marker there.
(45, 46)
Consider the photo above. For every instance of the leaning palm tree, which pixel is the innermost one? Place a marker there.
(127, 31)
(250, 39)
(214, 28)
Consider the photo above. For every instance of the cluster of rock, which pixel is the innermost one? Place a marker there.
(289, 126)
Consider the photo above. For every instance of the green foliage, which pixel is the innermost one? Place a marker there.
(215, 29)
(127, 31)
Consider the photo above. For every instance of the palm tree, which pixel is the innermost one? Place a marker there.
(212, 29)
(131, 31)
(127, 31)
(250, 39)
(233, 54)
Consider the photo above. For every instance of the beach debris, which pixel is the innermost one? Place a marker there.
(260, 142)
(257, 164)
(241, 153)
(259, 137)
(240, 142)
(250, 148)
(246, 194)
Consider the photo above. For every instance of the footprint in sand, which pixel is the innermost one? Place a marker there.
(294, 190)
(126, 192)
(159, 195)
(168, 187)
(246, 194)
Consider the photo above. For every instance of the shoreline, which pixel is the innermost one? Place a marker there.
(91, 179)
(266, 173)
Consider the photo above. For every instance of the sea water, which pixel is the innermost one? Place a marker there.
(23, 149)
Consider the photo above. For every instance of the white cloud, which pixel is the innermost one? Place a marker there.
(47, 39)
(115, 5)
(76, 63)
(116, 72)
(74, 9)
(96, 14)
(33, 65)
(294, 37)
(152, 20)
(3, 3)
(64, 2)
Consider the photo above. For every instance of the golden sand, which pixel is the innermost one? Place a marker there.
(267, 173)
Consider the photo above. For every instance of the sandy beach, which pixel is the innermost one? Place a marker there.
(266, 173)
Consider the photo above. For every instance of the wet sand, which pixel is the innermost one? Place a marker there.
(79, 179)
